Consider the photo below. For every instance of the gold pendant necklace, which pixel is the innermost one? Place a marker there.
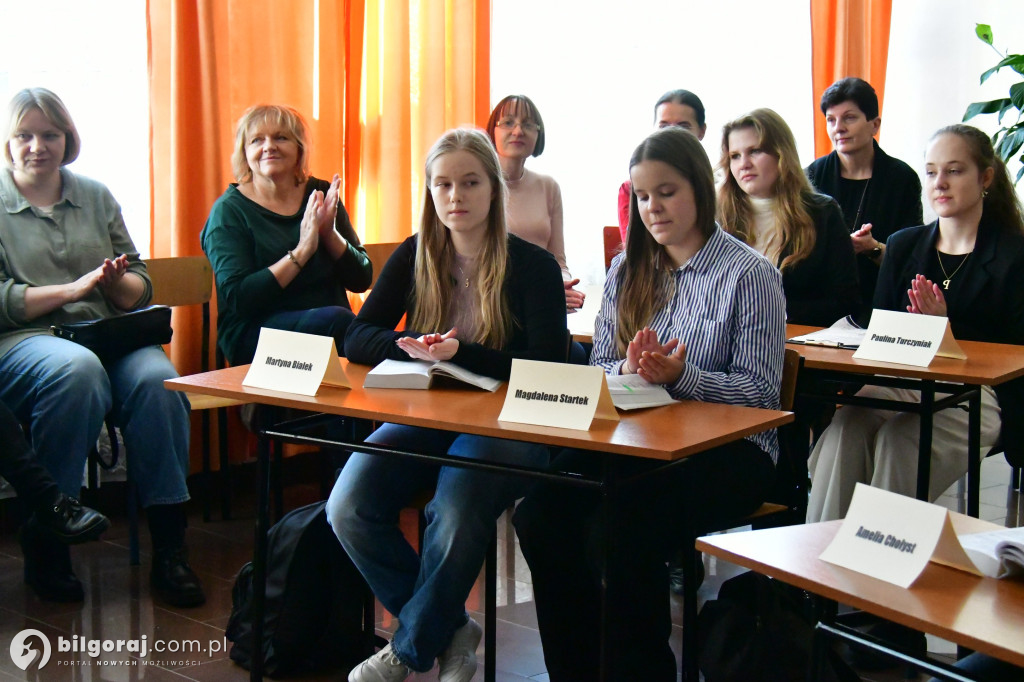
(949, 276)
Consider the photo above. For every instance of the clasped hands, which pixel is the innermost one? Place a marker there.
(430, 347)
(926, 297)
(654, 362)
(318, 219)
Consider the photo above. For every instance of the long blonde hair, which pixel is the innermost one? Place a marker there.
(794, 227)
(644, 280)
(435, 253)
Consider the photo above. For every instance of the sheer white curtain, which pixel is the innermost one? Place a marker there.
(596, 70)
(93, 55)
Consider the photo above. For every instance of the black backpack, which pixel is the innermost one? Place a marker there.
(313, 619)
(761, 630)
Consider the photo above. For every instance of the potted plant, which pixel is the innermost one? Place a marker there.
(1008, 139)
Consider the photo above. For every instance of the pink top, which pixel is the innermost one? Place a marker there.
(534, 213)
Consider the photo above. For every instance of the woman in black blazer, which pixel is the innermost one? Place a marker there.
(968, 266)
(767, 202)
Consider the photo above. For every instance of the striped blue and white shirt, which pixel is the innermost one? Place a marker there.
(727, 307)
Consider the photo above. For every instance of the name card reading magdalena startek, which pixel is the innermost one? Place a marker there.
(908, 339)
(892, 537)
(557, 394)
(295, 363)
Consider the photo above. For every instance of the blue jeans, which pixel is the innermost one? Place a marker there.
(327, 321)
(64, 391)
(427, 592)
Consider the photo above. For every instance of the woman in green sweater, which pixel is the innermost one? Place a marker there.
(282, 246)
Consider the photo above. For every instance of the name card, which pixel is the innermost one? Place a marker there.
(293, 362)
(557, 394)
(908, 339)
(892, 537)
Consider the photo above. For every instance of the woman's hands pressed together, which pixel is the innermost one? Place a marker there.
(926, 297)
(654, 362)
(430, 347)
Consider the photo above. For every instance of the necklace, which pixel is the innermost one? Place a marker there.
(462, 276)
(948, 275)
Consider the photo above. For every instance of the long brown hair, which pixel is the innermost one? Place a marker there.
(1000, 205)
(794, 227)
(644, 279)
(435, 254)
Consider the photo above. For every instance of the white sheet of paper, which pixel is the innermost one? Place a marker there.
(295, 363)
(553, 394)
(907, 338)
(888, 536)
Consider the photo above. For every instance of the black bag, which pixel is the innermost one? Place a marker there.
(313, 620)
(111, 338)
(760, 630)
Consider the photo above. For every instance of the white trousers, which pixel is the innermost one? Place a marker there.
(880, 447)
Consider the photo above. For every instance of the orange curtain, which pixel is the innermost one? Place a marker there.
(376, 80)
(848, 38)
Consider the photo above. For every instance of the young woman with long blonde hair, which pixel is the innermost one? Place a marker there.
(478, 297)
(767, 202)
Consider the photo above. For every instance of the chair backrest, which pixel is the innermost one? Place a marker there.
(186, 280)
(183, 280)
(612, 244)
(379, 254)
(790, 369)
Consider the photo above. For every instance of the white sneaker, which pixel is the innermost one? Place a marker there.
(458, 662)
(383, 666)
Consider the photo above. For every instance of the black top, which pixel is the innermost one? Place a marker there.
(535, 294)
(822, 288)
(892, 201)
(988, 304)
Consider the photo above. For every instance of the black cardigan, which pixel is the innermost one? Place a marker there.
(990, 305)
(822, 288)
(535, 295)
(892, 201)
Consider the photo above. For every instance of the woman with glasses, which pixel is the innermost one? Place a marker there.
(534, 209)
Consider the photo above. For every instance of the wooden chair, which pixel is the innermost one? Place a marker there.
(188, 280)
(612, 244)
(791, 468)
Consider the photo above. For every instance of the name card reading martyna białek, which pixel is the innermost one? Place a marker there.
(892, 537)
(295, 363)
(557, 394)
(908, 339)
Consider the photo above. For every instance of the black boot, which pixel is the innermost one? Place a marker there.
(48, 566)
(69, 521)
(171, 578)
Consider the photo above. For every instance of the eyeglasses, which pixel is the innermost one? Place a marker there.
(510, 123)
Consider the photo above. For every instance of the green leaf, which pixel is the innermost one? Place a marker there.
(1017, 95)
(1011, 143)
(1020, 172)
(977, 108)
(1014, 61)
(984, 33)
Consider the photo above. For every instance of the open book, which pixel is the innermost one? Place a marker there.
(630, 392)
(844, 333)
(997, 553)
(420, 374)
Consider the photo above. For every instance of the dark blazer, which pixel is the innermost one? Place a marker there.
(822, 288)
(892, 201)
(536, 298)
(990, 306)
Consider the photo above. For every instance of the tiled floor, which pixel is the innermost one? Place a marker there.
(118, 603)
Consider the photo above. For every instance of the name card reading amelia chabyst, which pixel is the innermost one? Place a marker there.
(908, 339)
(293, 362)
(557, 394)
(892, 537)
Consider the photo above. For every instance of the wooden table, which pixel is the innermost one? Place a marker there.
(983, 614)
(987, 364)
(668, 434)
